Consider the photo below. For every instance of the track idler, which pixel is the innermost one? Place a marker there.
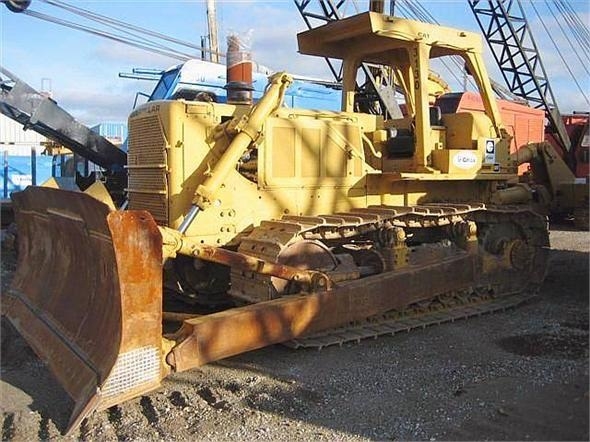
(87, 293)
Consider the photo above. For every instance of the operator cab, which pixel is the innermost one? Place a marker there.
(422, 140)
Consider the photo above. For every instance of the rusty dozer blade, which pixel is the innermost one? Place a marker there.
(87, 295)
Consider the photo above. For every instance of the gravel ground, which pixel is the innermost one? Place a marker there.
(516, 375)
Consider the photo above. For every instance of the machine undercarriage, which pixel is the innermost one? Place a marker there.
(365, 242)
(284, 222)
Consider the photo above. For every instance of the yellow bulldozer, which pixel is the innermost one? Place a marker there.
(287, 223)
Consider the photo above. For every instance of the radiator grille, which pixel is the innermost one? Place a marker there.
(147, 168)
(157, 205)
(153, 179)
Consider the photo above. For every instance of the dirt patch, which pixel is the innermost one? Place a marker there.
(517, 375)
(558, 346)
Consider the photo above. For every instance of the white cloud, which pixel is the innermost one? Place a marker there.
(274, 40)
(85, 78)
(92, 106)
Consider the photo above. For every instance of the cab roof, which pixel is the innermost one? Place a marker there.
(376, 38)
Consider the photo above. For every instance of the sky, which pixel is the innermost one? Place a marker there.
(82, 69)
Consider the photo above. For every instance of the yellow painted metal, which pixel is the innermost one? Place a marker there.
(436, 86)
(406, 46)
(98, 191)
(243, 165)
(249, 130)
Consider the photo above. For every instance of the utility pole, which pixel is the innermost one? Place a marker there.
(212, 24)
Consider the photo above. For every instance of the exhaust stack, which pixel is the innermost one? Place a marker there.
(239, 71)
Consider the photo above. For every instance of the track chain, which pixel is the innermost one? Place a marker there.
(396, 322)
(268, 240)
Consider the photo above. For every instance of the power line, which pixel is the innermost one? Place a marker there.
(420, 13)
(125, 33)
(168, 53)
(121, 24)
(560, 54)
(576, 24)
(571, 45)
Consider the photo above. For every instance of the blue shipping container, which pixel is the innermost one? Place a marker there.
(111, 130)
(19, 172)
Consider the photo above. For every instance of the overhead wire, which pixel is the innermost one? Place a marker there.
(578, 27)
(135, 35)
(571, 21)
(560, 54)
(420, 13)
(119, 24)
(355, 6)
(120, 31)
(431, 19)
(107, 23)
(570, 43)
(168, 53)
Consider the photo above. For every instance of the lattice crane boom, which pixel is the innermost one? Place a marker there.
(507, 32)
(324, 11)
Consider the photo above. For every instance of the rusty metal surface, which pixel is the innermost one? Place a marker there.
(225, 334)
(77, 298)
(138, 252)
(396, 323)
(241, 261)
(178, 317)
(63, 298)
(304, 255)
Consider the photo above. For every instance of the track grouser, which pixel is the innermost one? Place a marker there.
(259, 224)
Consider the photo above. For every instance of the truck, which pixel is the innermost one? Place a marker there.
(270, 224)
